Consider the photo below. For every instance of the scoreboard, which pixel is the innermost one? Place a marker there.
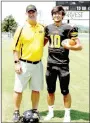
(75, 5)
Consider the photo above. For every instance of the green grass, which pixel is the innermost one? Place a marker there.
(79, 86)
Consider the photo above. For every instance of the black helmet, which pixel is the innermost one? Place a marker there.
(30, 116)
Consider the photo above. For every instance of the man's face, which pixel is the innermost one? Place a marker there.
(57, 16)
(32, 15)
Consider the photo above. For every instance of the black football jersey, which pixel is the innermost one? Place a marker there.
(56, 53)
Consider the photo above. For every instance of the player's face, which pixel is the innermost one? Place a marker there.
(57, 16)
(32, 15)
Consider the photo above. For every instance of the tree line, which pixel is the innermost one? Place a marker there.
(9, 24)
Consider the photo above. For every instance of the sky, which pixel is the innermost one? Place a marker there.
(18, 9)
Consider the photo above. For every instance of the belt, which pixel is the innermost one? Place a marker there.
(30, 61)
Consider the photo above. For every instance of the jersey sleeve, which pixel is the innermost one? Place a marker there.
(16, 42)
(73, 32)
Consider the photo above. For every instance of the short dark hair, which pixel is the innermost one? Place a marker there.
(57, 9)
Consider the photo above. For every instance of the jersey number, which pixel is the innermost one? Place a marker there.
(55, 41)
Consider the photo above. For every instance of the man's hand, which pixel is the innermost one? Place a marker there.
(18, 68)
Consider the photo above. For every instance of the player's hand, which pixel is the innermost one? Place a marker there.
(72, 44)
(18, 68)
(65, 44)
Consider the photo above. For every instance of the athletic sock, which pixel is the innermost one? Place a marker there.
(67, 111)
(16, 111)
(51, 108)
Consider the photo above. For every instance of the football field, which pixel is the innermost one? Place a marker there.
(79, 85)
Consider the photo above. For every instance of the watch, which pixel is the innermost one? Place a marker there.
(16, 61)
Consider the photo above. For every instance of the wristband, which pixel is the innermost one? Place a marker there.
(16, 62)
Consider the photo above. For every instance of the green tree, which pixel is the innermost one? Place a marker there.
(9, 24)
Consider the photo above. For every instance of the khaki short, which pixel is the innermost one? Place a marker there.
(32, 74)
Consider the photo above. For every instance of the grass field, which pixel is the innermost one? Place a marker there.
(79, 86)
